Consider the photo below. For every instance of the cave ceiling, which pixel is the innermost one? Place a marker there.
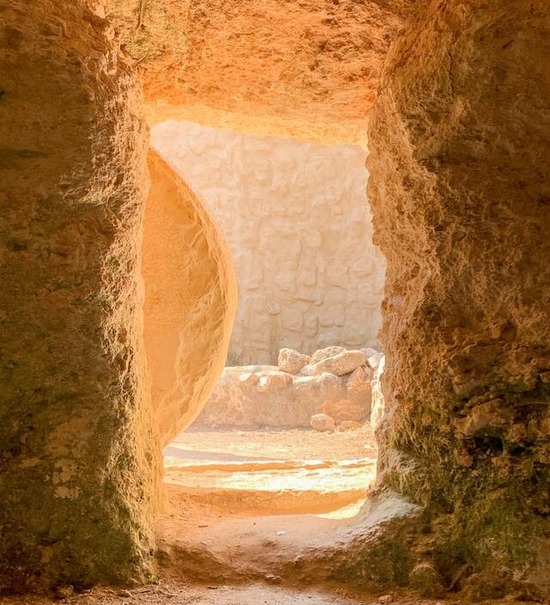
(294, 61)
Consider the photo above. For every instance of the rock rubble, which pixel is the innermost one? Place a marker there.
(302, 391)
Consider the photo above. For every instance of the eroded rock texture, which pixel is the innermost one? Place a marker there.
(460, 189)
(190, 300)
(300, 233)
(77, 455)
(264, 396)
(306, 61)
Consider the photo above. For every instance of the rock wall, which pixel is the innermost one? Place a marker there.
(460, 158)
(299, 229)
(78, 459)
(460, 164)
(252, 397)
(190, 300)
(309, 61)
(288, 395)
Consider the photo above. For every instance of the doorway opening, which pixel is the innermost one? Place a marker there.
(288, 432)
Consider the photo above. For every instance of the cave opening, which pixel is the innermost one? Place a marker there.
(455, 96)
(279, 435)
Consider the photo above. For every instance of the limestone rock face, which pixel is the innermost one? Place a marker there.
(427, 581)
(308, 370)
(459, 153)
(322, 422)
(190, 300)
(329, 381)
(274, 381)
(322, 354)
(296, 220)
(78, 458)
(341, 364)
(378, 404)
(263, 396)
(360, 380)
(343, 410)
(290, 60)
(373, 357)
(292, 361)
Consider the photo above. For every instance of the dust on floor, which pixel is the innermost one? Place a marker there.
(272, 472)
(253, 594)
(292, 444)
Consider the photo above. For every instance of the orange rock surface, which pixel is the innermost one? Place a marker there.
(459, 153)
(301, 66)
(190, 300)
(343, 410)
(78, 458)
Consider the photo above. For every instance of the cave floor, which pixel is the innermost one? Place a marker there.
(273, 472)
(253, 594)
(223, 544)
(243, 505)
(290, 444)
(232, 550)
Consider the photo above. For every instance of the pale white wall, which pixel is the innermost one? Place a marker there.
(296, 218)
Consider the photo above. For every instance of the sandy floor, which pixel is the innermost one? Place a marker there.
(253, 594)
(294, 444)
(266, 495)
(218, 546)
(222, 534)
(272, 472)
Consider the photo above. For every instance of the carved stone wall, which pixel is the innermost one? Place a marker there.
(298, 224)
(78, 456)
(460, 158)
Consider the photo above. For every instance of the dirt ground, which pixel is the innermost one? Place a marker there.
(239, 504)
(213, 554)
(272, 472)
(253, 594)
(293, 444)
(274, 555)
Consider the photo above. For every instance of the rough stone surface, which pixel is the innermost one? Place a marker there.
(78, 458)
(322, 422)
(329, 381)
(360, 380)
(378, 404)
(301, 61)
(343, 410)
(298, 226)
(292, 361)
(373, 357)
(341, 364)
(460, 157)
(308, 370)
(322, 354)
(190, 300)
(373, 553)
(425, 579)
(275, 380)
(263, 396)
